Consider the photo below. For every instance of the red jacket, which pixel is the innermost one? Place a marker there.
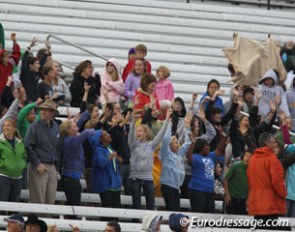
(129, 67)
(267, 190)
(144, 99)
(6, 70)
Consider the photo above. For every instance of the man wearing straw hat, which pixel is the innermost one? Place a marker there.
(41, 143)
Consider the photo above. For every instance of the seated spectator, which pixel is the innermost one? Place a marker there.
(141, 162)
(132, 82)
(202, 181)
(72, 159)
(172, 158)
(179, 112)
(143, 95)
(15, 223)
(177, 222)
(113, 226)
(30, 73)
(33, 224)
(151, 222)
(164, 88)
(269, 87)
(112, 83)
(106, 179)
(140, 53)
(14, 160)
(61, 90)
(213, 86)
(7, 63)
(265, 174)
(236, 187)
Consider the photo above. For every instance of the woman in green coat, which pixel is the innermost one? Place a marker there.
(12, 162)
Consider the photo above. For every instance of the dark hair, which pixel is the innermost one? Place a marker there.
(115, 224)
(200, 143)
(183, 110)
(264, 138)
(82, 66)
(195, 117)
(215, 110)
(213, 81)
(42, 52)
(146, 80)
(221, 165)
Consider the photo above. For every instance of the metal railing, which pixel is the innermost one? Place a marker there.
(74, 45)
(257, 3)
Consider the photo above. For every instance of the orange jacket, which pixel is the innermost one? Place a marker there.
(267, 190)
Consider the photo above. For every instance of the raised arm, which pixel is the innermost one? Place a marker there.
(187, 140)
(157, 140)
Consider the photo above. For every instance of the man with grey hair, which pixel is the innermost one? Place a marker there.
(267, 191)
(15, 223)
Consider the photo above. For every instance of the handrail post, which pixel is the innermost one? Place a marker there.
(268, 4)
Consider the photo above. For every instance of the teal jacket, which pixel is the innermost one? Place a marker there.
(12, 160)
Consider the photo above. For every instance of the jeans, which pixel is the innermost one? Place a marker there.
(290, 208)
(10, 189)
(125, 172)
(171, 198)
(110, 199)
(237, 206)
(148, 190)
(201, 201)
(72, 189)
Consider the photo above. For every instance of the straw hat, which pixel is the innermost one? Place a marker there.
(51, 105)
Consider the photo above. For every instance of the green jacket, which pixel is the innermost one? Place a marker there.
(12, 160)
(22, 122)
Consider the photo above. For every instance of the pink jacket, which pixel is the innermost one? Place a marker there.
(114, 88)
(164, 90)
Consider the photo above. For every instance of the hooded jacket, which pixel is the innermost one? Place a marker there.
(164, 90)
(114, 88)
(267, 191)
(269, 93)
(150, 221)
(105, 172)
(291, 103)
(12, 159)
(6, 70)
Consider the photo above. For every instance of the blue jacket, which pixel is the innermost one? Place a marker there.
(105, 172)
(72, 153)
(173, 163)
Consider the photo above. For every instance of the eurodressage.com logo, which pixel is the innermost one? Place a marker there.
(196, 222)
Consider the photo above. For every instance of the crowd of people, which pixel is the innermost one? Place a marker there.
(132, 133)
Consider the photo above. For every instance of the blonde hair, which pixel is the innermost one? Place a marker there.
(52, 228)
(63, 128)
(164, 70)
(146, 129)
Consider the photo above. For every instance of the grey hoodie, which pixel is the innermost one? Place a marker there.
(269, 93)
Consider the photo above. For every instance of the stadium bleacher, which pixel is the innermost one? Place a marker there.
(188, 38)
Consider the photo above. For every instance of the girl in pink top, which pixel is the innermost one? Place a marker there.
(164, 88)
(112, 86)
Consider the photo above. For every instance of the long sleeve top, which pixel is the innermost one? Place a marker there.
(72, 154)
(132, 83)
(164, 90)
(141, 161)
(11, 113)
(62, 89)
(173, 172)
